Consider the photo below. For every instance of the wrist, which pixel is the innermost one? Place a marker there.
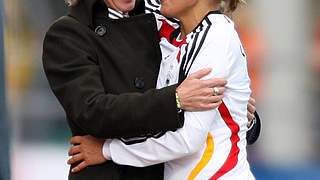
(178, 103)
(106, 149)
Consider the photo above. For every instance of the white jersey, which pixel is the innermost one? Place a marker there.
(211, 144)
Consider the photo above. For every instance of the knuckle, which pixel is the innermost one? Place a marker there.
(204, 83)
(252, 101)
(211, 106)
(214, 105)
(250, 116)
(202, 105)
(212, 83)
(222, 89)
(207, 91)
(71, 161)
(215, 99)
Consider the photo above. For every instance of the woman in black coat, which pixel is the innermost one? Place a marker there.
(103, 73)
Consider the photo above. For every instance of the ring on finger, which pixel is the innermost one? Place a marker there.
(216, 91)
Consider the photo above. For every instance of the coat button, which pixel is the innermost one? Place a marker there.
(139, 83)
(100, 30)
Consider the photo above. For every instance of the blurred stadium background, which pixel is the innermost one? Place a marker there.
(282, 41)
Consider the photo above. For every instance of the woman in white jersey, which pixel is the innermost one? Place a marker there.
(211, 144)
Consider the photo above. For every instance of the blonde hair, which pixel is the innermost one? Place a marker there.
(228, 6)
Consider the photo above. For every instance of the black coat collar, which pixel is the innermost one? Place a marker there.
(85, 10)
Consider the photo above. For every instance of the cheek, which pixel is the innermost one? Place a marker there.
(165, 10)
(175, 7)
(170, 9)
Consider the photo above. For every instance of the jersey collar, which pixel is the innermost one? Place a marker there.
(113, 14)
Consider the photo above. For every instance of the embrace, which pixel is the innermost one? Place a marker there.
(154, 89)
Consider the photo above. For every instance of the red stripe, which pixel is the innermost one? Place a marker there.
(166, 30)
(232, 159)
(179, 44)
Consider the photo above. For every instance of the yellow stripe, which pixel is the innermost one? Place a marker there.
(205, 158)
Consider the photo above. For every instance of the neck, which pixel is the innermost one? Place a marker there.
(190, 18)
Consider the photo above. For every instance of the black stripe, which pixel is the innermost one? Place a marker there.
(114, 14)
(198, 50)
(201, 28)
(208, 21)
(158, 12)
(172, 19)
(151, 4)
(227, 19)
(242, 51)
(186, 61)
(175, 34)
(152, 10)
(181, 71)
(201, 22)
(130, 141)
(191, 52)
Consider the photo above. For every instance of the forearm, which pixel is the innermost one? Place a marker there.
(128, 115)
(170, 146)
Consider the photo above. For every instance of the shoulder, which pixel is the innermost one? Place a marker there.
(68, 31)
(67, 26)
(221, 28)
(63, 22)
(68, 36)
(222, 33)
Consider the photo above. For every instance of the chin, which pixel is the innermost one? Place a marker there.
(127, 9)
(127, 6)
(165, 11)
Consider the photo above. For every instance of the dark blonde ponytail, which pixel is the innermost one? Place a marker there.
(229, 6)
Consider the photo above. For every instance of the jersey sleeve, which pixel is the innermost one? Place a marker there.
(192, 136)
(170, 146)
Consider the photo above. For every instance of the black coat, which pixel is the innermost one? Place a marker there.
(103, 73)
